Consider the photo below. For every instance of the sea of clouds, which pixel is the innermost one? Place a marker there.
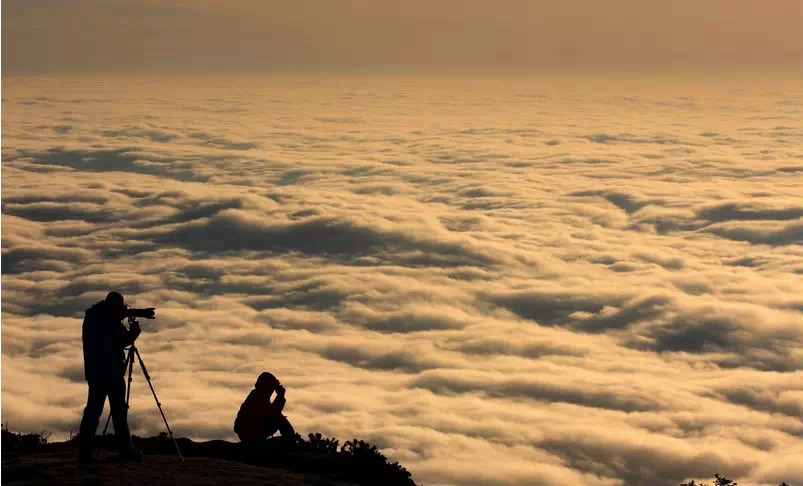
(499, 281)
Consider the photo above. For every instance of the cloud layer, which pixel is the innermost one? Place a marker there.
(497, 281)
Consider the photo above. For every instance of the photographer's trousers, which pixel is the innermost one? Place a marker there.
(99, 389)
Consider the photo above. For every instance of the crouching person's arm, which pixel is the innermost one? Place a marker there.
(278, 403)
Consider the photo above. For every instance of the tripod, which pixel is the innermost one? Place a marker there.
(132, 352)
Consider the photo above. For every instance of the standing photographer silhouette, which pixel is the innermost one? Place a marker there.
(104, 336)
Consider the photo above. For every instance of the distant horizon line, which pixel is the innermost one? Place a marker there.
(704, 72)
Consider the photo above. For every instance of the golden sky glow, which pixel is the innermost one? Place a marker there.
(265, 36)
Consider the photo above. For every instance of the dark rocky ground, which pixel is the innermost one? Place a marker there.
(30, 459)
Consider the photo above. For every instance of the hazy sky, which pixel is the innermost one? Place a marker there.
(46, 36)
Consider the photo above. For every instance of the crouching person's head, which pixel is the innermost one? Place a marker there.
(266, 383)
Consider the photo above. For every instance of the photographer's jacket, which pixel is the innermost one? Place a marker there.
(104, 338)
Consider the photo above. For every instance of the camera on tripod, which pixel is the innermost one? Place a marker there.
(132, 313)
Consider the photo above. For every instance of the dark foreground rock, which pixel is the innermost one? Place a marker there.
(60, 467)
(316, 461)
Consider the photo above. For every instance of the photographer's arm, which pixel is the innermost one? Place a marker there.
(128, 336)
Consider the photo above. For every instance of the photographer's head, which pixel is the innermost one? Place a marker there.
(116, 302)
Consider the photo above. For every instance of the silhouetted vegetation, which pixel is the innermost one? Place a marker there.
(320, 443)
(14, 443)
(719, 481)
(365, 457)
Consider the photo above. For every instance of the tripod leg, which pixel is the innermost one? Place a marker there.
(130, 364)
(130, 372)
(158, 404)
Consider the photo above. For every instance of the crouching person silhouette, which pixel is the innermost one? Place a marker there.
(259, 418)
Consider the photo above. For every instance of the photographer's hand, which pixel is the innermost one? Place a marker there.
(280, 391)
(135, 330)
